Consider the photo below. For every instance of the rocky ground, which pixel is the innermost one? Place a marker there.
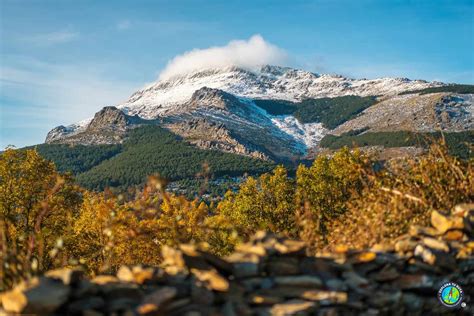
(271, 275)
(417, 113)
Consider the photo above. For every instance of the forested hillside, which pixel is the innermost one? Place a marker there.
(147, 150)
(331, 112)
(459, 143)
(77, 158)
(455, 88)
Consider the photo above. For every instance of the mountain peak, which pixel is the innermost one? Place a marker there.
(214, 97)
(232, 89)
(266, 82)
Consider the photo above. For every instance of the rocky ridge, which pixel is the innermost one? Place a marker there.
(211, 135)
(249, 130)
(189, 104)
(271, 275)
(267, 82)
(417, 113)
(109, 126)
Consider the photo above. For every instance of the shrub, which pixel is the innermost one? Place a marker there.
(402, 195)
(111, 232)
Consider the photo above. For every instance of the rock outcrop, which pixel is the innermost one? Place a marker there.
(417, 113)
(109, 126)
(211, 135)
(213, 98)
(111, 119)
(271, 275)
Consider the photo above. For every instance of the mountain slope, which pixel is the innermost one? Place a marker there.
(146, 150)
(275, 113)
(269, 82)
(248, 124)
(411, 112)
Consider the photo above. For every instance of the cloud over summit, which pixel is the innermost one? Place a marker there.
(248, 54)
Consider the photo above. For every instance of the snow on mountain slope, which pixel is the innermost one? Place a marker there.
(422, 113)
(270, 82)
(243, 121)
(308, 135)
(60, 131)
(183, 98)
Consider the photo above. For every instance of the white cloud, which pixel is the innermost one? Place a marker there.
(249, 53)
(52, 38)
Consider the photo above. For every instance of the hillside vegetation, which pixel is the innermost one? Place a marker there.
(277, 107)
(147, 150)
(458, 143)
(455, 88)
(77, 158)
(341, 200)
(331, 112)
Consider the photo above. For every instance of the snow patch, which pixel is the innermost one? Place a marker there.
(309, 134)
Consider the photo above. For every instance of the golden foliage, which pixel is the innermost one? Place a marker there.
(111, 232)
(46, 221)
(37, 208)
(348, 198)
(403, 194)
(266, 203)
(324, 188)
(90, 240)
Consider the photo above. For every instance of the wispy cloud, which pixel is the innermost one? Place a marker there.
(165, 26)
(52, 38)
(56, 94)
(124, 25)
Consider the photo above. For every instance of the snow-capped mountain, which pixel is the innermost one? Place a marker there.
(269, 82)
(215, 109)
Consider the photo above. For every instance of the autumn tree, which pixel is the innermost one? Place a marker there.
(111, 230)
(264, 203)
(90, 242)
(324, 188)
(37, 207)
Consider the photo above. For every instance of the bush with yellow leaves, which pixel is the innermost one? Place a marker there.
(348, 198)
(402, 194)
(37, 209)
(111, 231)
(323, 190)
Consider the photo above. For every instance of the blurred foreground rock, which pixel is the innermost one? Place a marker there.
(271, 275)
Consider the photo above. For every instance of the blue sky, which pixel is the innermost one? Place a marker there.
(61, 61)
